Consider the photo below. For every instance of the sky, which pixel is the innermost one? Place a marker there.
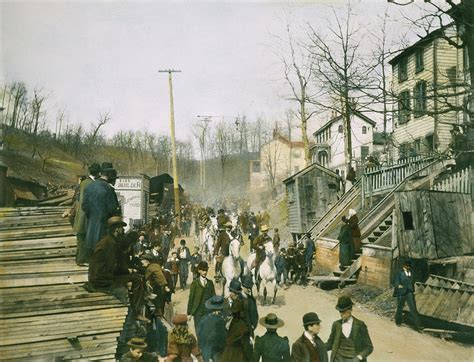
(92, 57)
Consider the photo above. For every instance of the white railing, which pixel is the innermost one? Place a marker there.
(381, 178)
(457, 182)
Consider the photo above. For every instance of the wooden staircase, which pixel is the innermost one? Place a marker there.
(45, 314)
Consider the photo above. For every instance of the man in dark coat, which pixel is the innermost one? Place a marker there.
(212, 332)
(184, 256)
(251, 305)
(404, 288)
(345, 244)
(309, 347)
(201, 290)
(80, 221)
(100, 203)
(259, 246)
(276, 239)
(221, 249)
(349, 339)
(271, 347)
(196, 258)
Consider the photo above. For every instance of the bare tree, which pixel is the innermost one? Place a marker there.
(36, 112)
(222, 144)
(299, 68)
(19, 99)
(93, 139)
(341, 73)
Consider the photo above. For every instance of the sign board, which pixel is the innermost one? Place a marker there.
(133, 195)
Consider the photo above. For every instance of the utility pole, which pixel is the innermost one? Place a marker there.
(206, 120)
(173, 143)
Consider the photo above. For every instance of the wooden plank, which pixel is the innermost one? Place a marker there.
(22, 280)
(37, 254)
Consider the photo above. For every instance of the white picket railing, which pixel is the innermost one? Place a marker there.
(384, 178)
(457, 182)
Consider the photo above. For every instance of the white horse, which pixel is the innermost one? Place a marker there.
(207, 242)
(267, 272)
(231, 268)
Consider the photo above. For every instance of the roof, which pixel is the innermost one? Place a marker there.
(279, 137)
(337, 118)
(308, 169)
(424, 40)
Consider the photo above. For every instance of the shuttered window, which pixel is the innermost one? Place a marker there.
(419, 94)
(404, 107)
(419, 60)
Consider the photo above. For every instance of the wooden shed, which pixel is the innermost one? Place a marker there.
(310, 193)
(433, 224)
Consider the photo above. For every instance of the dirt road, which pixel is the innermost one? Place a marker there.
(391, 343)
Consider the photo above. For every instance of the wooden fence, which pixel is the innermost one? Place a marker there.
(384, 178)
(457, 182)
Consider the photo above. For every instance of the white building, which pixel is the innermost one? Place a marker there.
(329, 148)
(279, 159)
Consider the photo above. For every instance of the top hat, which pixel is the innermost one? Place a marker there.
(116, 220)
(180, 319)
(137, 343)
(203, 265)
(106, 165)
(110, 173)
(215, 303)
(344, 303)
(271, 321)
(311, 318)
(264, 228)
(94, 169)
(235, 286)
(247, 281)
(407, 263)
(182, 242)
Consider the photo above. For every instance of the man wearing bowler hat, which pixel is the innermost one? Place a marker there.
(252, 311)
(200, 291)
(212, 332)
(271, 347)
(349, 339)
(309, 347)
(404, 288)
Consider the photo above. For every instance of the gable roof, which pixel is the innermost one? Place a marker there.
(420, 43)
(338, 118)
(308, 169)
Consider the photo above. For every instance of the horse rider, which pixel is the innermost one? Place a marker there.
(222, 218)
(259, 246)
(221, 249)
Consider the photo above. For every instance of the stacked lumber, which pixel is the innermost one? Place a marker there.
(45, 314)
(446, 299)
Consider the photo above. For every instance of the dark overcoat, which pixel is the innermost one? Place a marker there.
(300, 350)
(252, 311)
(80, 221)
(106, 264)
(359, 335)
(212, 335)
(100, 203)
(271, 348)
(237, 345)
(198, 296)
(405, 282)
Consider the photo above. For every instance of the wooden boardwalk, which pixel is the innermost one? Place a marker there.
(45, 314)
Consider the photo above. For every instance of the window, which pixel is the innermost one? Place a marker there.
(339, 128)
(403, 69)
(429, 143)
(364, 130)
(323, 158)
(403, 151)
(419, 98)
(256, 166)
(451, 74)
(364, 152)
(404, 107)
(419, 60)
(408, 220)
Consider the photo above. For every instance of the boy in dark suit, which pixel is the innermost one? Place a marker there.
(309, 347)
